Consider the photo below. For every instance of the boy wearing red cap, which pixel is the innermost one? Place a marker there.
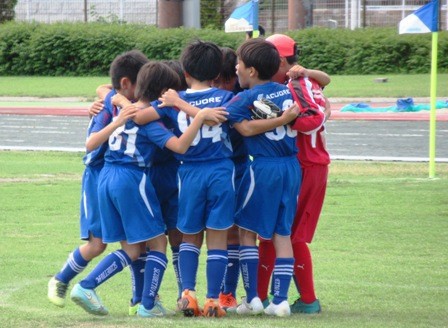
(287, 48)
(314, 160)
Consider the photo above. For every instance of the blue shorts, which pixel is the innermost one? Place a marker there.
(267, 199)
(240, 169)
(129, 207)
(164, 180)
(90, 219)
(206, 196)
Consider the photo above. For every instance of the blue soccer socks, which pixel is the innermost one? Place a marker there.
(233, 270)
(73, 266)
(155, 267)
(216, 269)
(249, 267)
(107, 268)
(137, 269)
(281, 279)
(188, 264)
(175, 260)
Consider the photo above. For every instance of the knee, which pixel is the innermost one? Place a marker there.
(93, 248)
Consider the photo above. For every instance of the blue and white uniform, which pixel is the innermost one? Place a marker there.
(129, 206)
(90, 220)
(163, 173)
(267, 197)
(206, 191)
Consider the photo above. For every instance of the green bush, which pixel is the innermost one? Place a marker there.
(81, 49)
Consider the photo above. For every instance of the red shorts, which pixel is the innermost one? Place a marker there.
(311, 200)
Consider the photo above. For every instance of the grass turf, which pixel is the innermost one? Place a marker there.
(379, 252)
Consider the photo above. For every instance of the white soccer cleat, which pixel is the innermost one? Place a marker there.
(279, 310)
(56, 292)
(254, 307)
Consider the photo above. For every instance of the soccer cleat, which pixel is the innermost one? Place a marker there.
(133, 308)
(212, 309)
(279, 310)
(166, 312)
(253, 307)
(57, 291)
(152, 313)
(265, 302)
(88, 300)
(227, 302)
(188, 304)
(300, 307)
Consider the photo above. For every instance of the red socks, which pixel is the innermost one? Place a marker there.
(266, 252)
(303, 271)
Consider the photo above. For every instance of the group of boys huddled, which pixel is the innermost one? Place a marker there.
(176, 152)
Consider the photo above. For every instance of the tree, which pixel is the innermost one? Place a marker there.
(7, 10)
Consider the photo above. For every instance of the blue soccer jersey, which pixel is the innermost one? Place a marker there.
(163, 175)
(97, 123)
(129, 206)
(274, 174)
(211, 142)
(278, 142)
(133, 144)
(206, 190)
(90, 218)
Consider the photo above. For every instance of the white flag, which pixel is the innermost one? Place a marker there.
(423, 20)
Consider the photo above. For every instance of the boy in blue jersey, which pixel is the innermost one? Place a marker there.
(206, 192)
(227, 80)
(268, 194)
(207, 196)
(130, 212)
(163, 175)
(123, 72)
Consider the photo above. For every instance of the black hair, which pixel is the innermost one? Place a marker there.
(202, 60)
(177, 67)
(261, 55)
(229, 61)
(126, 65)
(154, 78)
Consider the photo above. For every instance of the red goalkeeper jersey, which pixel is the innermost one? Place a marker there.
(310, 122)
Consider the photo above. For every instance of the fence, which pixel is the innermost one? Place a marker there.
(273, 15)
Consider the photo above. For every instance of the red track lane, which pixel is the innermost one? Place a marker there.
(336, 114)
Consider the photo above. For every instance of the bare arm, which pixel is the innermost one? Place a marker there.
(98, 138)
(321, 77)
(96, 107)
(103, 90)
(180, 145)
(250, 128)
(171, 98)
(327, 110)
(143, 116)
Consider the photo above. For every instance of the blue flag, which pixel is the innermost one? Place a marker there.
(244, 18)
(423, 20)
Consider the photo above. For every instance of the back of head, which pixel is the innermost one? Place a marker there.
(261, 55)
(286, 47)
(154, 78)
(177, 67)
(229, 61)
(202, 60)
(127, 65)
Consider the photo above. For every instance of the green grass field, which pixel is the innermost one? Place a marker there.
(398, 86)
(380, 251)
